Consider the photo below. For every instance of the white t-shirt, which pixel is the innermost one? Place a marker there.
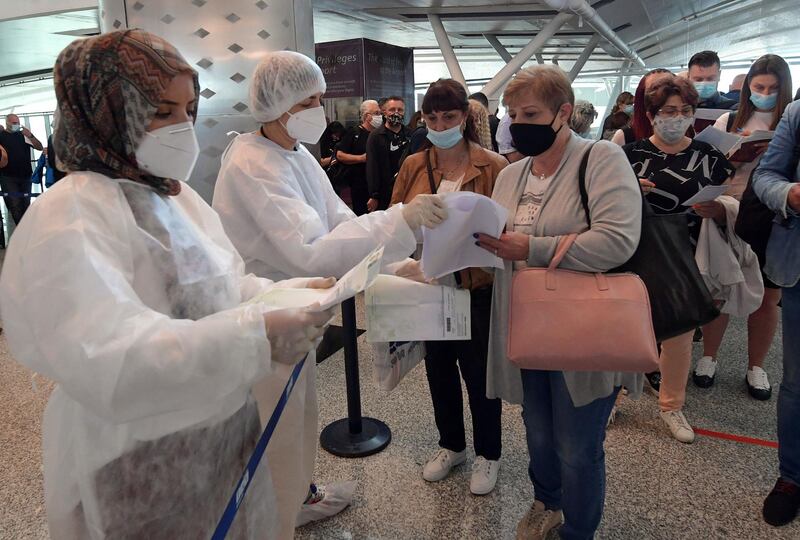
(759, 121)
(529, 206)
(450, 186)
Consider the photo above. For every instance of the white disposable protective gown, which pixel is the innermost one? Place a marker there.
(280, 211)
(132, 303)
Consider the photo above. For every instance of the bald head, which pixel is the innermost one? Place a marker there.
(738, 82)
(11, 119)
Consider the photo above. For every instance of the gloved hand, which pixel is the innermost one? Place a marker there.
(424, 210)
(292, 333)
(321, 283)
(409, 269)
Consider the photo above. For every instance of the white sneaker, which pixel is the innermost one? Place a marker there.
(484, 475)
(538, 522)
(758, 383)
(678, 425)
(705, 372)
(438, 467)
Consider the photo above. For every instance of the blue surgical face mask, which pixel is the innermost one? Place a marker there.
(706, 89)
(447, 138)
(765, 102)
(628, 109)
(16, 128)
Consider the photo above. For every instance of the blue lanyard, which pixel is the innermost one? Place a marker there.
(236, 499)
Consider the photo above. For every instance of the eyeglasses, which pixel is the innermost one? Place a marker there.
(672, 112)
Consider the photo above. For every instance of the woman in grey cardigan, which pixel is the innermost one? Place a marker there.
(565, 413)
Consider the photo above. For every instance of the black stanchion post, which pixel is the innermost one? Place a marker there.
(354, 436)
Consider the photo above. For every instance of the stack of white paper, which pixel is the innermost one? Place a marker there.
(735, 147)
(399, 309)
(353, 282)
(450, 246)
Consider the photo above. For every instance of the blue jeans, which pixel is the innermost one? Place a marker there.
(565, 444)
(789, 396)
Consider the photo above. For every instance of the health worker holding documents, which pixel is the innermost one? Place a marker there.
(142, 317)
(282, 214)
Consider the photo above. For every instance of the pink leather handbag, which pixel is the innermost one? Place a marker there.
(563, 320)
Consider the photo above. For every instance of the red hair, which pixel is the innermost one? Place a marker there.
(642, 128)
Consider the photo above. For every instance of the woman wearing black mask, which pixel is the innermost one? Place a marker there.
(565, 413)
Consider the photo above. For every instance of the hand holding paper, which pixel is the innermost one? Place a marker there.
(451, 246)
(353, 282)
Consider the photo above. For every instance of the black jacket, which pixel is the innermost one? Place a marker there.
(384, 150)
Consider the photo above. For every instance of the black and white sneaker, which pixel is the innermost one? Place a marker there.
(705, 372)
(758, 383)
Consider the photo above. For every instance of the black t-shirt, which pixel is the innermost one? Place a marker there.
(678, 177)
(19, 155)
(355, 144)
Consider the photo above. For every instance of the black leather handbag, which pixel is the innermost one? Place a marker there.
(664, 260)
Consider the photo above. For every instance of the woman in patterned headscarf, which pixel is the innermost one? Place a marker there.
(122, 286)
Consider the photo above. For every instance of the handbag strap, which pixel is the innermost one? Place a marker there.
(582, 184)
(428, 166)
(561, 251)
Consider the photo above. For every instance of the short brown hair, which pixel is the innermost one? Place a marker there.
(665, 88)
(548, 84)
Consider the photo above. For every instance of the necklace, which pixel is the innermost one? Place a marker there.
(540, 176)
(451, 170)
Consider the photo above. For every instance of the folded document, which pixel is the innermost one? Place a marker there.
(400, 309)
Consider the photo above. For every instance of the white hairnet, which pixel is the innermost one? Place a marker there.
(281, 80)
(505, 145)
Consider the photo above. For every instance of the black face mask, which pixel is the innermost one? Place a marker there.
(534, 139)
(395, 119)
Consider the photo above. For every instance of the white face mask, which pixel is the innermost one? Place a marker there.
(307, 126)
(672, 130)
(169, 152)
(377, 121)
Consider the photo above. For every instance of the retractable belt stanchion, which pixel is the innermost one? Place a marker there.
(354, 436)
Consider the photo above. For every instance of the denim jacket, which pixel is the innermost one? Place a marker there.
(777, 172)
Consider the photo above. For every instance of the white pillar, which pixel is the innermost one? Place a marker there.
(447, 49)
(581, 61)
(223, 41)
(508, 71)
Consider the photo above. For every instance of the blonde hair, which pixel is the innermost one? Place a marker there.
(480, 119)
(583, 116)
(548, 84)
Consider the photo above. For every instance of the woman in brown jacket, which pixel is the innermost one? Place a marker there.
(453, 160)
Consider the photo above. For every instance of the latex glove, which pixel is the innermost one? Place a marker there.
(424, 211)
(293, 333)
(321, 283)
(409, 269)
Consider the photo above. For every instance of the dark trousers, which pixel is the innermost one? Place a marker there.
(442, 363)
(16, 202)
(359, 192)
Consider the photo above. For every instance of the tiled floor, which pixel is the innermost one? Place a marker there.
(657, 487)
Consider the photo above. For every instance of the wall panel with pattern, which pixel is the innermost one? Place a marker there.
(223, 40)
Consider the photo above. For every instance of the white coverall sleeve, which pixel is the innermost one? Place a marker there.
(295, 241)
(71, 313)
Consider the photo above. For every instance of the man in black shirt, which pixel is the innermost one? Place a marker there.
(385, 147)
(15, 178)
(352, 152)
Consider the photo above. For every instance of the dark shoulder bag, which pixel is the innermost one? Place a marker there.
(754, 222)
(664, 260)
